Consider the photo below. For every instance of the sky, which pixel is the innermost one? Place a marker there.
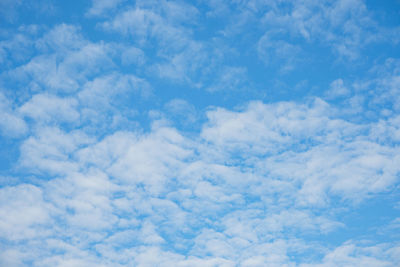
(199, 133)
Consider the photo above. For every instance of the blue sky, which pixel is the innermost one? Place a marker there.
(199, 133)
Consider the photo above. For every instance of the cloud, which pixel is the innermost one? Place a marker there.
(133, 56)
(177, 55)
(11, 122)
(231, 78)
(68, 63)
(374, 96)
(312, 160)
(351, 254)
(49, 150)
(106, 91)
(135, 192)
(272, 49)
(181, 111)
(18, 46)
(46, 108)
(24, 213)
(54, 74)
(139, 137)
(337, 89)
(143, 24)
(346, 26)
(62, 38)
(101, 7)
(152, 160)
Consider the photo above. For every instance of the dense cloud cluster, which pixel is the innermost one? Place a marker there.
(172, 133)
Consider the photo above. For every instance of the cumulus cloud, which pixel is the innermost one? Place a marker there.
(45, 108)
(147, 134)
(181, 188)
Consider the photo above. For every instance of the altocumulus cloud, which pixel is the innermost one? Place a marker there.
(199, 133)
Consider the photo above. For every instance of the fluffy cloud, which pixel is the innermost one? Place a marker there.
(45, 108)
(149, 134)
(181, 188)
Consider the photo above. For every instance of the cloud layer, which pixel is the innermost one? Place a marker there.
(216, 133)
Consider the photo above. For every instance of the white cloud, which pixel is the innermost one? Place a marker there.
(192, 65)
(179, 187)
(152, 160)
(133, 56)
(11, 122)
(260, 184)
(182, 111)
(272, 49)
(87, 197)
(101, 7)
(232, 195)
(105, 91)
(178, 55)
(373, 97)
(312, 158)
(24, 213)
(18, 47)
(66, 62)
(45, 108)
(62, 38)
(344, 25)
(49, 151)
(337, 89)
(349, 254)
(143, 24)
